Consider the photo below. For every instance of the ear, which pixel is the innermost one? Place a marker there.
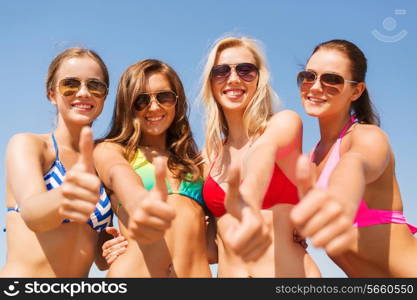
(51, 97)
(357, 91)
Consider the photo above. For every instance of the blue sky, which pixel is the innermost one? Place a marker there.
(179, 32)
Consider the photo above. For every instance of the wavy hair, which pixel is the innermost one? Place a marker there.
(259, 109)
(184, 158)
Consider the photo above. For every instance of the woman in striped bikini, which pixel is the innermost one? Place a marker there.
(55, 221)
(356, 172)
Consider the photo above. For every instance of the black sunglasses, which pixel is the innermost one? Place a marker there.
(246, 71)
(332, 80)
(166, 99)
(71, 86)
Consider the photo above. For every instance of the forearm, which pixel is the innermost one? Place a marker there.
(257, 173)
(279, 144)
(212, 251)
(126, 186)
(347, 183)
(41, 212)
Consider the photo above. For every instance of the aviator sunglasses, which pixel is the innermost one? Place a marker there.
(166, 99)
(246, 71)
(329, 80)
(71, 86)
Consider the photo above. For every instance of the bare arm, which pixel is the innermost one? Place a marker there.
(363, 163)
(44, 210)
(39, 207)
(211, 226)
(211, 232)
(149, 216)
(118, 176)
(280, 143)
(327, 216)
(100, 261)
(110, 245)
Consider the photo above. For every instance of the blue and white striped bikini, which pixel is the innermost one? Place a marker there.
(100, 218)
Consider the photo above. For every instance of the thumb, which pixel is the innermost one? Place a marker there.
(86, 149)
(160, 175)
(232, 200)
(112, 231)
(304, 174)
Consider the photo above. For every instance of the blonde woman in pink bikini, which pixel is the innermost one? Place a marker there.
(355, 170)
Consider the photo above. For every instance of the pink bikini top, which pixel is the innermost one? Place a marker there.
(365, 216)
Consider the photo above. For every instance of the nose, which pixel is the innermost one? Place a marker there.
(233, 76)
(316, 87)
(83, 91)
(154, 104)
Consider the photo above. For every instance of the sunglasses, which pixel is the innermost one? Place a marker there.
(166, 99)
(329, 80)
(71, 86)
(246, 71)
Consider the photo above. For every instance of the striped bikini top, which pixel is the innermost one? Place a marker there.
(100, 218)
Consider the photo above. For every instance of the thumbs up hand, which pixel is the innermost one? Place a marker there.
(319, 216)
(81, 186)
(250, 237)
(153, 215)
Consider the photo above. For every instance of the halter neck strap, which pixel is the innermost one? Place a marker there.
(55, 147)
(352, 120)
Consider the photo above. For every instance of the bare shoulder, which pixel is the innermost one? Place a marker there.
(286, 125)
(285, 120)
(369, 135)
(108, 147)
(35, 143)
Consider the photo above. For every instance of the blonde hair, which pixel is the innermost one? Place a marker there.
(258, 111)
(184, 159)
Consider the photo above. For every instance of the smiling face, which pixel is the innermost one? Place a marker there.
(81, 107)
(321, 100)
(234, 93)
(155, 119)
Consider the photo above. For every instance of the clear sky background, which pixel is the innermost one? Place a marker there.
(179, 32)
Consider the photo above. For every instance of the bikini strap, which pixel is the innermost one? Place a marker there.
(55, 147)
(352, 120)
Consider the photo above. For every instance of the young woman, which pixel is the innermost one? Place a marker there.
(150, 163)
(243, 136)
(55, 222)
(355, 169)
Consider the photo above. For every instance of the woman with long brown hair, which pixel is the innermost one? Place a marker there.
(355, 166)
(150, 164)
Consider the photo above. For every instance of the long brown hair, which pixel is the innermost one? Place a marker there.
(184, 158)
(362, 108)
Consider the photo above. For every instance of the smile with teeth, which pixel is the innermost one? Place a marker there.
(315, 100)
(233, 93)
(82, 106)
(154, 119)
